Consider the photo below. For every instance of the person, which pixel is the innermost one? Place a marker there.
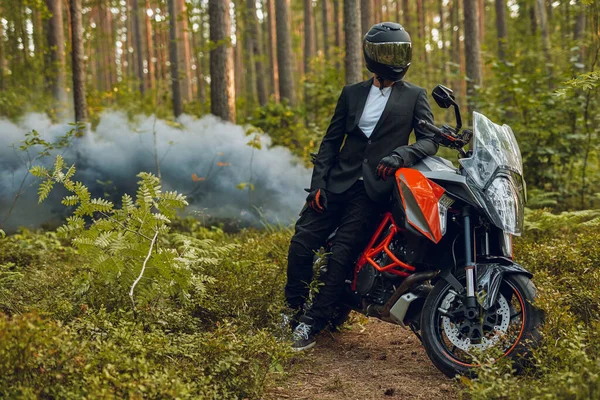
(365, 143)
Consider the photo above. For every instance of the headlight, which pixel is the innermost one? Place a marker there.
(505, 205)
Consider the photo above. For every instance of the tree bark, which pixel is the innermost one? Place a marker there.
(578, 35)
(273, 48)
(501, 28)
(353, 59)
(77, 61)
(254, 34)
(137, 46)
(184, 51)
(174, 60)
(309, 38)
(325, 27)
(406, 17)
(541, 14)
(481, 15)
(56, 45)
(337, 23)
(222, 82)
(472, 51)
(366, 7)
(284, 52)
(150, 48)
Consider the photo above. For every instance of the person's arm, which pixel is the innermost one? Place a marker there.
(426, 144)
(330, 146)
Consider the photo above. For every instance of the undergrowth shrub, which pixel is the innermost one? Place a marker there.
(563, 253)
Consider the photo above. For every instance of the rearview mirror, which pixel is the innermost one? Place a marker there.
(443, 96)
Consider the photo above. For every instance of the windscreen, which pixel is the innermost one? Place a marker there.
(495, 147)
(496, 170)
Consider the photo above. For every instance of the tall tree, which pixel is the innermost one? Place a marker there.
(137, 45)
(472, 50)
(222, 82)
(174, 61)
(309, 38)
(325, 27)
(254, 35)
(501, 28)
(337, 23)
(272, 30)
(56, 45)
(284, 52)
(365, 15)
(184, 51)
(578, 34)
(150, 48)
(541, 14)
(406, 17)
(77, 57)
(353, 59)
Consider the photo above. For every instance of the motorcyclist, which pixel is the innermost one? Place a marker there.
(350, 186)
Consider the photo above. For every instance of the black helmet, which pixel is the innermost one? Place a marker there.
(388, 50)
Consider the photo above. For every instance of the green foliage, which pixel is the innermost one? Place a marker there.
(564, 256)
(285, 127)
(118, 241)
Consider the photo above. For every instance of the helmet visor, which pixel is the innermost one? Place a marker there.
(394, 54)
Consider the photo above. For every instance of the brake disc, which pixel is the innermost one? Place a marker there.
(496, 320)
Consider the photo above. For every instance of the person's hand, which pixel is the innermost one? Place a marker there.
(388, 165)
(317, 200)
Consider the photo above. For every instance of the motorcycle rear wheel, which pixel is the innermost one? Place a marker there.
(512, 322)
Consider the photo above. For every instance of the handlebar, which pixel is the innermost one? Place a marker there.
(431, 128)
(447, 137)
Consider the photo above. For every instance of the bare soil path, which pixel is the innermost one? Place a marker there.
(370, 360)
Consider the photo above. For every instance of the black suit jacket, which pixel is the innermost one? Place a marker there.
(337, 167)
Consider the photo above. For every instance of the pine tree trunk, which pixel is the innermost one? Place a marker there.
(285, 57)
(137, 46)
(578, 35)
(337, 17)
(222, 82)
(541, 14)
(56, 45)
(398, 12)
(184, 51)
(78, 66)
(481, 14)
(472, 51)
(309, 38)
(174, 60)
(200, 84)
(325, 27)
(272, 42)
(501, 28)
(150, 49)
(406, 16)
(365, 15)
(254, 34)
(354, 56)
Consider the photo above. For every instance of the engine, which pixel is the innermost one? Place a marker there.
(376, 286)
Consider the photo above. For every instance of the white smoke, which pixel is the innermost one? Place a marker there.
(206, 159)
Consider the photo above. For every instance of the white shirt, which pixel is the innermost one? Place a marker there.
(376, 101)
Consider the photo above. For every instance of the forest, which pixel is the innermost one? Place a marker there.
(153, 156)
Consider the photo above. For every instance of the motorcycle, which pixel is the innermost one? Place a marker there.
(441, 260)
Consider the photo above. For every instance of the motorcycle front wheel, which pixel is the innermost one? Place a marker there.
(510, 326)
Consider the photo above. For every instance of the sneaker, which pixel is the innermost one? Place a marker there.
(303, 337)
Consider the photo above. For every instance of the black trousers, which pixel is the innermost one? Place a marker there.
(356, 216)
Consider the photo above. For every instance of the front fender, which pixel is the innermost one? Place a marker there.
(490, 275)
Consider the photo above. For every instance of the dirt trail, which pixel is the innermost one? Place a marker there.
(374, 360)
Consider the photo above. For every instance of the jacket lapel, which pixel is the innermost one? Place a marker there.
(394, 97)
(362, 99)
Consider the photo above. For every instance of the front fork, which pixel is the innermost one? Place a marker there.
(471, 305)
